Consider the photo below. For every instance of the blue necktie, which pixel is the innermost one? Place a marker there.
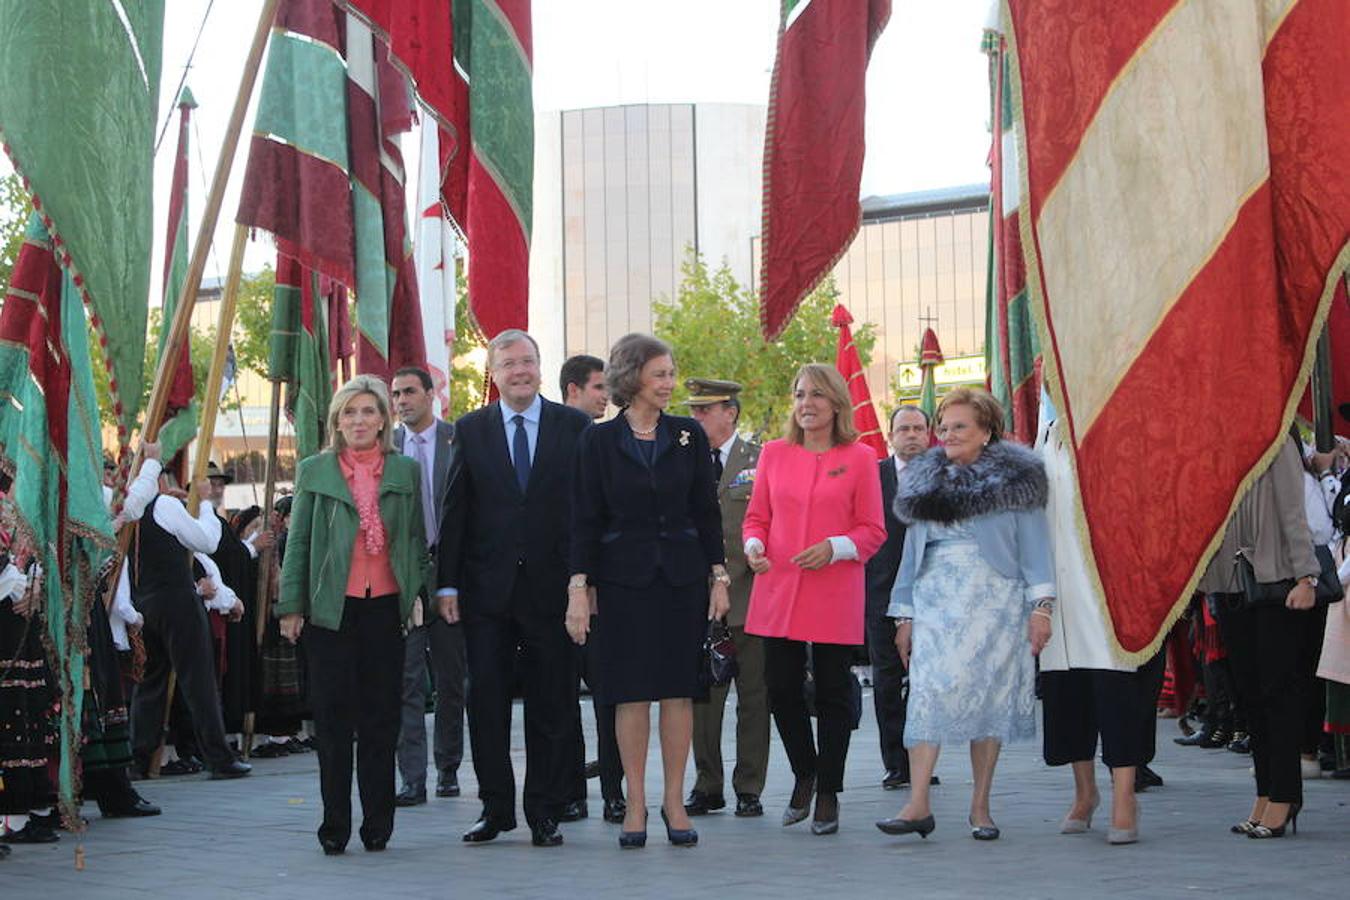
(520, 452)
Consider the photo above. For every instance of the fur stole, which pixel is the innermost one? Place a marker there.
(1007, 477)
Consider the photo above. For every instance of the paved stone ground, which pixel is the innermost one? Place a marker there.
(255, 838)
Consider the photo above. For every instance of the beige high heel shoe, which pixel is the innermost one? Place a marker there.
(1070, 825)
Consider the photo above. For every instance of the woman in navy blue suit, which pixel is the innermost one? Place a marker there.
(647, 551)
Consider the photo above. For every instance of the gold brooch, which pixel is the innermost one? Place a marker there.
(684, 439)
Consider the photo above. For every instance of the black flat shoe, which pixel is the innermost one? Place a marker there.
(634, 840)
(592, 769)
(232, 769)
(486, 829)
(574, 811)
(680, 837)
(922, 827)
(700, 804)
(1241, 743)
(894, 779)
(447, 786)
(1145, 778)
(545, 833)
(410, 797)
(134, 809)
(615, 810)
(748, 806)
(270, 750)
(983, 832)
(31, 833)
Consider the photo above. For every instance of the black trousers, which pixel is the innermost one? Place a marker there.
(1315, 712)
(822, 756)
(355, 684)
(178, 639)
(890, 692)
(1080, 704)
(607, 744)
(548, 674)
(1265, 646)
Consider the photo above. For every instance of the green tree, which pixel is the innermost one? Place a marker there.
(467, 376)
(713, 324)
(253, 321)
(15, 207)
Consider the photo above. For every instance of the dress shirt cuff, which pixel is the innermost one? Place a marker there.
(447, 592)
(753, 546)
(1037, 591)
(902, 605)
(843, 548)
(248, 543)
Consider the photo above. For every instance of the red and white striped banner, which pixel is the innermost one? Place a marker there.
(1185, 212)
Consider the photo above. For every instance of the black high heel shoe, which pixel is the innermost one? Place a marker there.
(922, 827)
(1262, 832)
(680, 837)
(634, 840)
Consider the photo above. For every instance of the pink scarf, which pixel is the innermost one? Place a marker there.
(363, 469)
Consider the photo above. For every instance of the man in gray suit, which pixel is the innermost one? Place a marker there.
(430, 441)
(717, 408)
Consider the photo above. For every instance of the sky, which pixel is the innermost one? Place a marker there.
(927, 85)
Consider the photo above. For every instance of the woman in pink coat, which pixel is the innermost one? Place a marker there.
(814, 521)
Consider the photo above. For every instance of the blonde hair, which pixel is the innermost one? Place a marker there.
(828, 379)
(988, 411)
(361, 384)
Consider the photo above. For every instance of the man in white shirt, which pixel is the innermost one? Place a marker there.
(909, 437)
(430, 441)
(176, 631)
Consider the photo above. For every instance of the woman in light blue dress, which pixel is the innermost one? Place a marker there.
(972, 600)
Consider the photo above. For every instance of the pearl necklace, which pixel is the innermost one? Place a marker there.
(648, 433)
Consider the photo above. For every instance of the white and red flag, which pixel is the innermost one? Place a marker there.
(1185, 212)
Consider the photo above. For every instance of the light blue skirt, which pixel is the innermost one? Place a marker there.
(971, 672)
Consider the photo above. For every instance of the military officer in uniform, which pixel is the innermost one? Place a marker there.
(717, 407)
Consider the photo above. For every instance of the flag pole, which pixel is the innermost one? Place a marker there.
(182, 318)
(263, 608)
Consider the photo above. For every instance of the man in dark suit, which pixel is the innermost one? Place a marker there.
(716, 405)
(909, 438)
(581, 384)
(430, 442)
(503, 567)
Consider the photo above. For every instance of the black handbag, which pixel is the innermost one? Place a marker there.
(717, 661)
(1274, 593)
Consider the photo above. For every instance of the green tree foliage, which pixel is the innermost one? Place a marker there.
(14, 209)
(467, 376)
(253, 321)
(203, 344)
(713, 324)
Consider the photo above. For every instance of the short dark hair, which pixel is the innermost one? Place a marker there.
(630, 353)
(422, 375)
(577, 370)
(909, 407)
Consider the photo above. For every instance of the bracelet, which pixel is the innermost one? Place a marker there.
(903, 620)
(1041, 611)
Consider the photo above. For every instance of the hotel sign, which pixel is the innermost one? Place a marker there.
(959, 370)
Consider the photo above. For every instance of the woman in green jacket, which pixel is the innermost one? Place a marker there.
(355, 562)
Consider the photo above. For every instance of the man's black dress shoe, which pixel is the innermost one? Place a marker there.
(545, 833)
(410, 797)
(133, 808)
(332, 848)
(1241, 743)
(615, 810)
(574, 811)
(374, 846)
(747, 806)
(447, 786)
(486, 829)
(592, 769)
(1145, 778)
(232, 769)
(700, 804)
(31, 833)
(894, 779)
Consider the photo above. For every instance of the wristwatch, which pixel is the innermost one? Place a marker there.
(1311, 581)
(721, 577)
(577, 583)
